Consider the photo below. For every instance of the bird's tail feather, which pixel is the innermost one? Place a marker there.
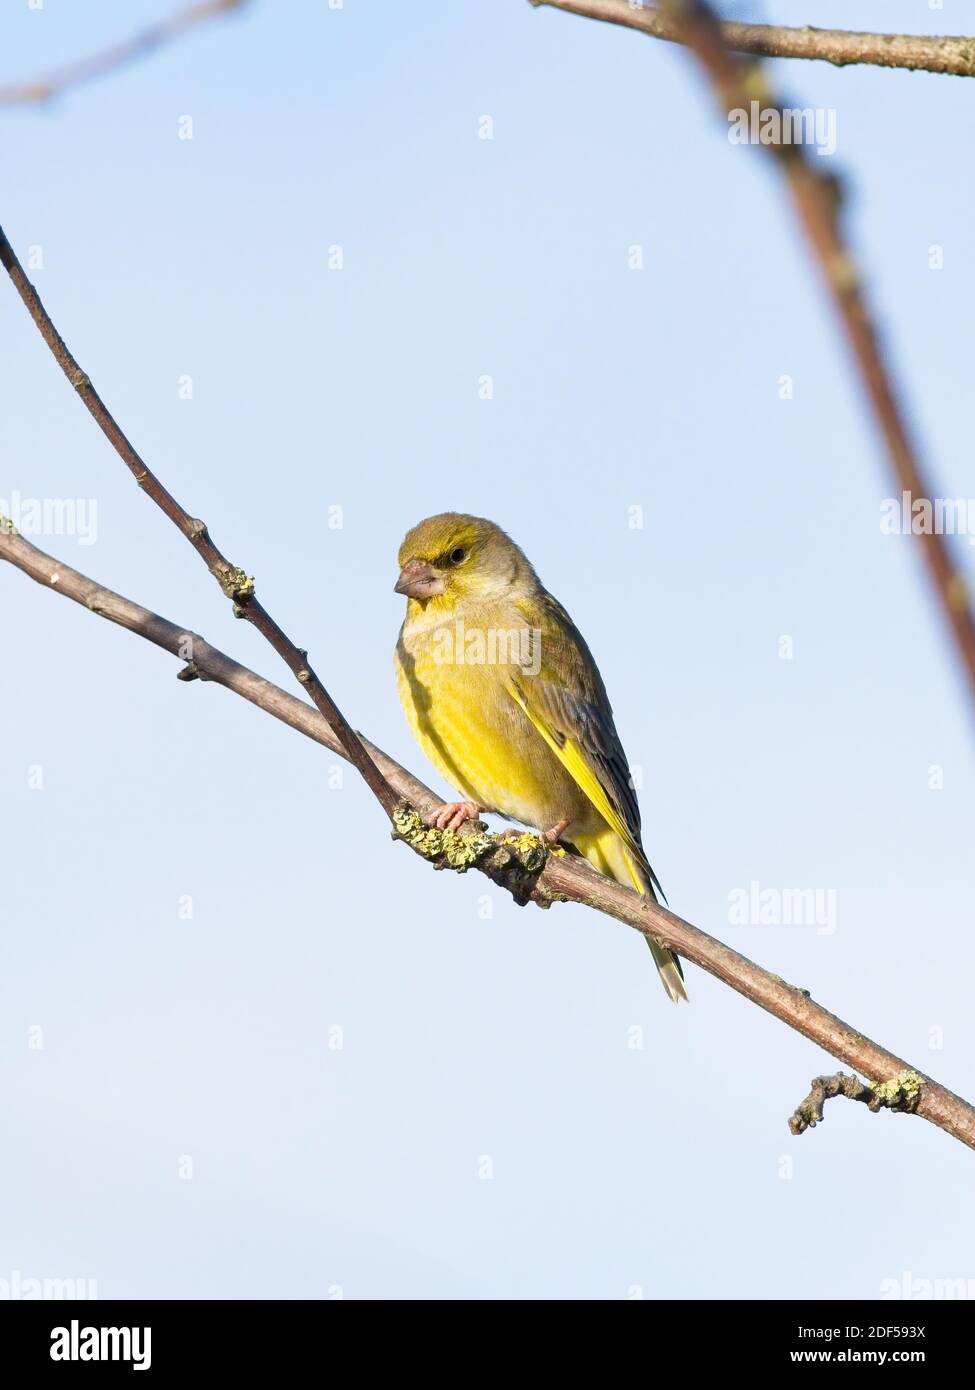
(667, 961)
(671, 974)
(607, 853)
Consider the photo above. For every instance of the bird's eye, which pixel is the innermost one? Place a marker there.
(458, 555)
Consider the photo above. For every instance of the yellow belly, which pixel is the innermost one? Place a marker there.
(483, 744)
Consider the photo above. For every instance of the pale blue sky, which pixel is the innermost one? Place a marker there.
(669, 1169)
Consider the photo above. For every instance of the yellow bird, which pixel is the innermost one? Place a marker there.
(503, 696)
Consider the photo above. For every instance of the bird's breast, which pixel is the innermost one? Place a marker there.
(454, 687)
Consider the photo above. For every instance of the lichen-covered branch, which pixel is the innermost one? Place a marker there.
(117, 55)
(900, 1093)
(520, 862)
(234, 581)
(954, 55)
(513, 859)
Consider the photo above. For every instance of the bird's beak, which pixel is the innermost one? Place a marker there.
(418, 579)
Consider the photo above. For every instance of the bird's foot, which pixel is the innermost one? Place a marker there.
(551, 836)
(452, 814)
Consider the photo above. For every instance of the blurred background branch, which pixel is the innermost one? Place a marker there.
(137, 46)
(740, 86)
(954, 54)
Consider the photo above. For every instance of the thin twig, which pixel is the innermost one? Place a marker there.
(953, 54)
(737, 84)
(901, 1093)
(118, 55)
(524, 866)
(235, 582)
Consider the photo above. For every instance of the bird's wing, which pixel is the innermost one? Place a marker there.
(568, 705)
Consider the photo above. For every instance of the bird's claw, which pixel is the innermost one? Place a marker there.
(452, 814)
(551, 836)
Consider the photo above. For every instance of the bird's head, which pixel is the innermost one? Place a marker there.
(451, 558)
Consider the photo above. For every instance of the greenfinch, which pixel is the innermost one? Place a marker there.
(505, 699)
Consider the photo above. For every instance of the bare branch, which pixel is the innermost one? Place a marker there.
(901, 1093)
(520, 863)
(118, 55)
(954, 55)
(235, 582)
